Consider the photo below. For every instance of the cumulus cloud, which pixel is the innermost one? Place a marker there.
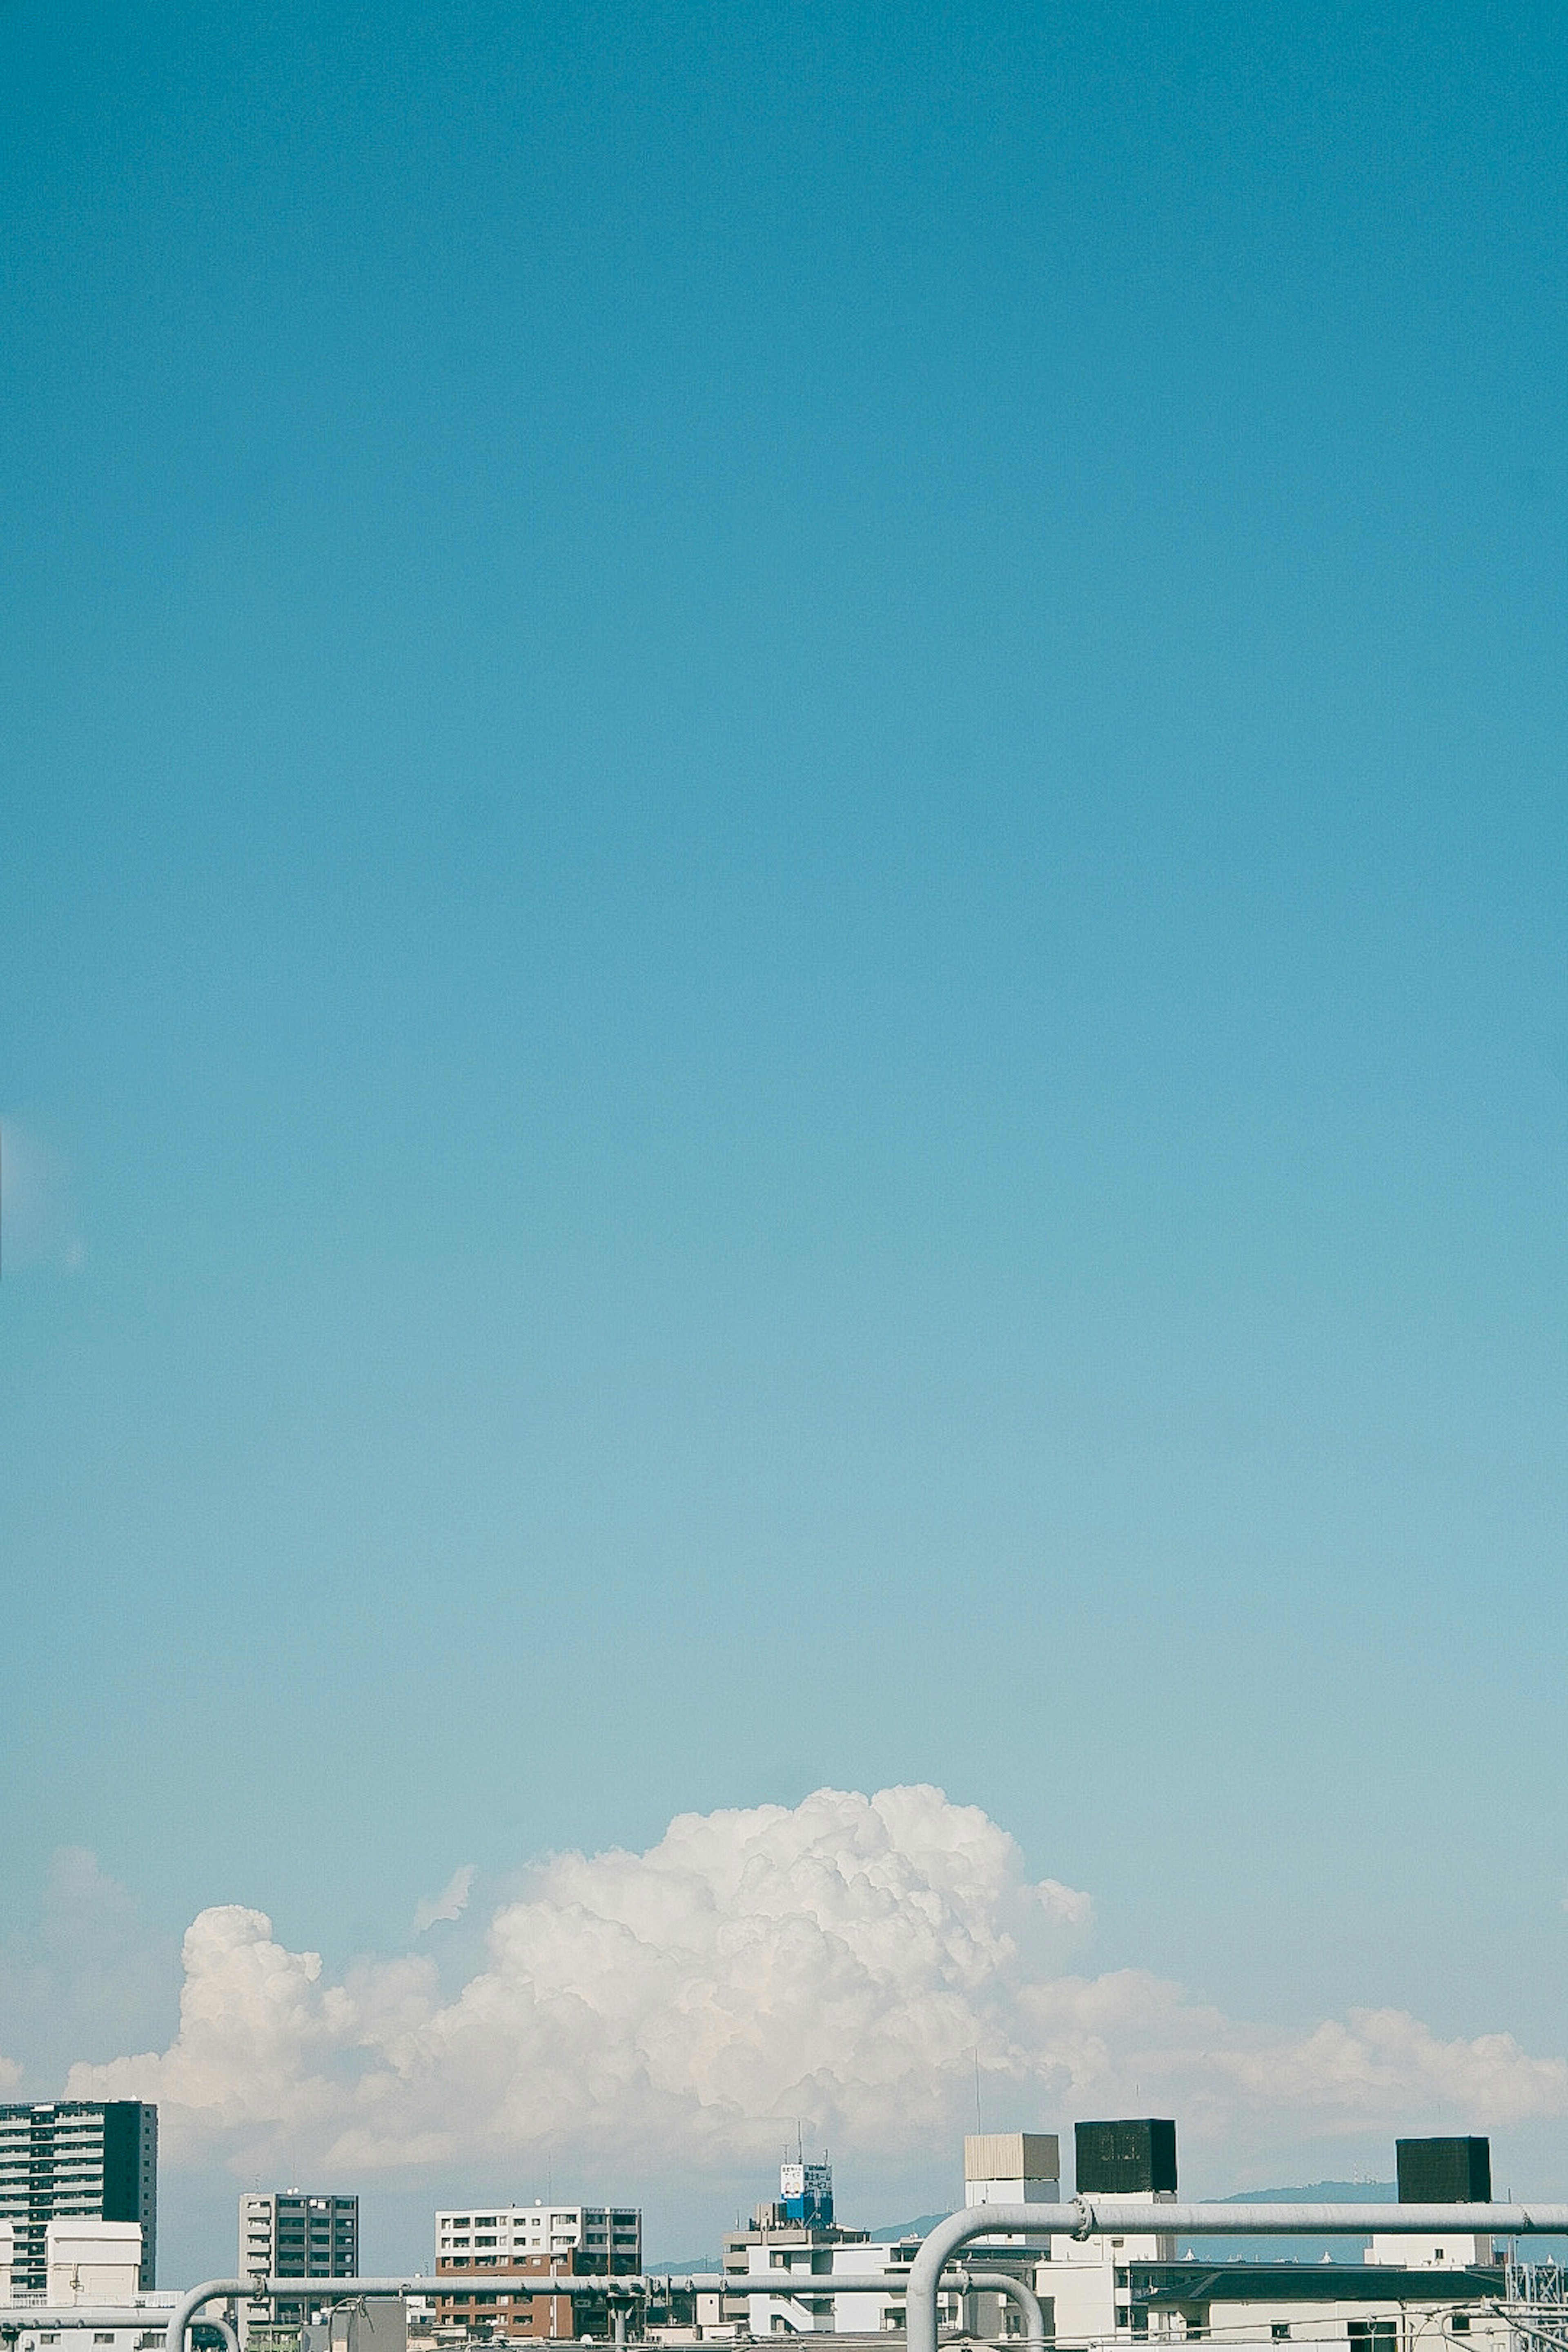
(1383, 2054)
(842, 1961)
(450, 1904)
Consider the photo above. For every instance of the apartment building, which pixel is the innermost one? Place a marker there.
(607, 2237)
(793, 2237)
(293, 2235)
(538, 2240)
(76, 2160)
(800, 2297)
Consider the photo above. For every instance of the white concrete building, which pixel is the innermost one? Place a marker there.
(93, 2267)
(799, 2303)
(605, 2237)
(146, 2335)
(1461, 2252)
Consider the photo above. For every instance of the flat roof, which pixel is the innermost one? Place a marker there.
(1157, 2285)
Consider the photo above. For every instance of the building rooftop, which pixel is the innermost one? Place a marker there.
(1158, 2286)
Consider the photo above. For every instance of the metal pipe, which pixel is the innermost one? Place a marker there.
(81, 2314)
(334, 2290)
(516, 2283)
(331, 2290)
(191, 2302)
(338, 2290)
(1004, 2282)
(790, 2285)
(1124, 2217)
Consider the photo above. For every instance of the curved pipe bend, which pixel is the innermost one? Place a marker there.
(185, 2310)
(1004, 2282)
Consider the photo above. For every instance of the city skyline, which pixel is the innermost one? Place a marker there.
(613, 2033)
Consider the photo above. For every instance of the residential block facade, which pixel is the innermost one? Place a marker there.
(77, 2159)
(293, 2235)
(534, 2241)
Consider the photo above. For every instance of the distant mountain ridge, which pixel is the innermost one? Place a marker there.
(1321, 2192)
(1298, 2250)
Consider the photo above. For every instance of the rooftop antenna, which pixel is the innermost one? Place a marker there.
(979, 2126)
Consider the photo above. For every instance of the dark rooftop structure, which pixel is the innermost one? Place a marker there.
(1444, 2171)
(1128, 2158)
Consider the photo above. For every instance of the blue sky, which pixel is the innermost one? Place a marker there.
(782, 988)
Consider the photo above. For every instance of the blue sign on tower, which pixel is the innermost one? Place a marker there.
(806, 2193)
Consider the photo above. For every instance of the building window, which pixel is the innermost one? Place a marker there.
(1281, 2331)
(1461, 2323)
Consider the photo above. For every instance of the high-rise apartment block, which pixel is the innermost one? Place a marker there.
(289, 2234)
(77, 2159)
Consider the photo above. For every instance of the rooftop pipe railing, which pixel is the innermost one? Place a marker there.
(1125, 2217)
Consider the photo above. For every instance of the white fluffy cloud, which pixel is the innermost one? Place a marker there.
(450, 1904)
(840, 1963)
